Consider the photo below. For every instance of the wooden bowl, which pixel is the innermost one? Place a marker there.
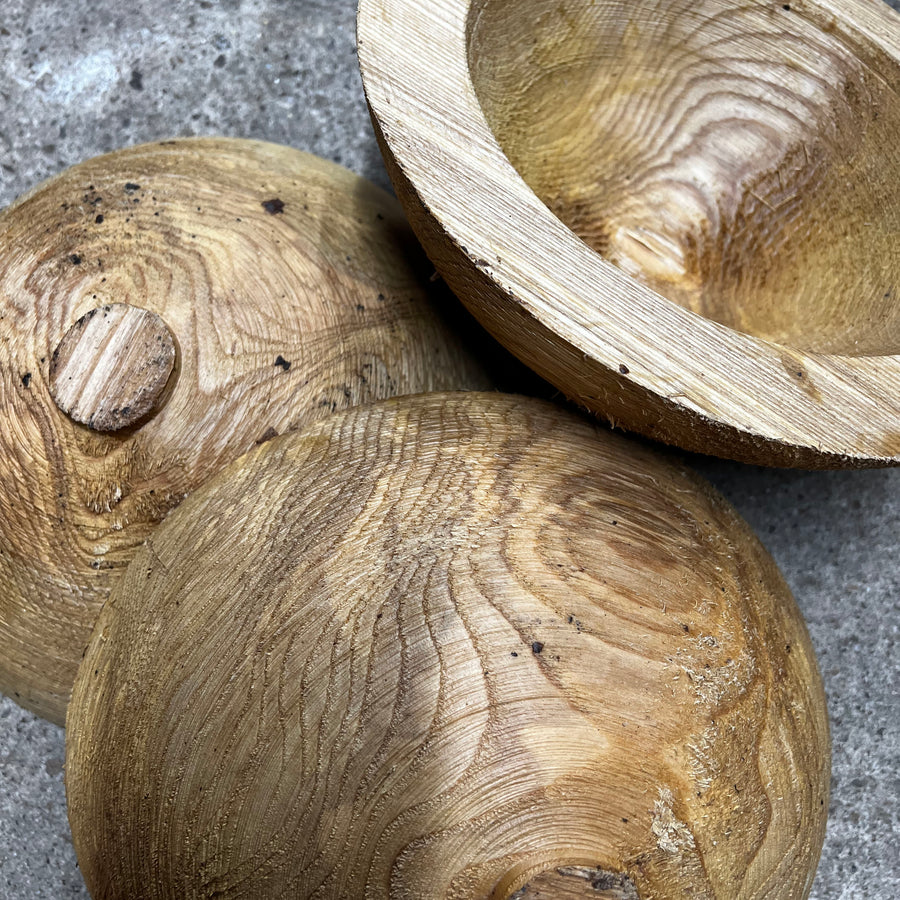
(449, 646)
(684, 214)
(162, 310)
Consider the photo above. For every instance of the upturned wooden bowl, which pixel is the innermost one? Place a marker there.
(449, 647)
(163, 309)
(684, 214)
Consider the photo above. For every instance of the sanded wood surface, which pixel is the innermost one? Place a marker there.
(443, 647)
(290, 287)
(684, 214)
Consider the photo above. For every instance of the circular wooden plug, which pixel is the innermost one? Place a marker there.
(449, 646)
(683, 214)
(111, 366)
(162, 310)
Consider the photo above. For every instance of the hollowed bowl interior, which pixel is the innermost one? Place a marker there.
(741, 159)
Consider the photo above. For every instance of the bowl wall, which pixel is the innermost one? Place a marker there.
(741, 160)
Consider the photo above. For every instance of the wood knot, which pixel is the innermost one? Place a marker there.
(109, 370)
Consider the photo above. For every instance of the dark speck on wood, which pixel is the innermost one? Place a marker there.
(274, 206)
(131, 187)
(75, 259)
(26, 379)
(536, 646)
(281, 361)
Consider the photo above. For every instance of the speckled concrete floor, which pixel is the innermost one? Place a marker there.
(79, 78)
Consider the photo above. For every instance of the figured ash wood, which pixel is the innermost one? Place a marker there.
(292, 289)
(684, 214)
(442, 647)
(111, 367)
(739, 158)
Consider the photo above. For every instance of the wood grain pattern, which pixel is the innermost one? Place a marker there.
(112, 366)
(443, 647)
(738, 158)
(685, 215)
(292, 289)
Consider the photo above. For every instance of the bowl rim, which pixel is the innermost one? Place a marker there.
(804, 407)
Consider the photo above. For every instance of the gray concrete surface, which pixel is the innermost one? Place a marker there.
(79, 78)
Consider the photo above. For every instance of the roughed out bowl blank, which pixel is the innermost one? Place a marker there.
(684, 214)
(201, 296)
(449, 646)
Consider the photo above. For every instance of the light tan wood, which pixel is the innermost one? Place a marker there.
(684, 214)
(291, 287)
(111, 366)
(441, 647)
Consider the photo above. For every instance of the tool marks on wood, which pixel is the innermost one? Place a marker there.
(435, 647)
(277, 319)
(737, 158)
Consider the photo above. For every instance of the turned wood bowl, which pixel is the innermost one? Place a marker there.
(449, 647)
(163, 309)
(686, 215)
